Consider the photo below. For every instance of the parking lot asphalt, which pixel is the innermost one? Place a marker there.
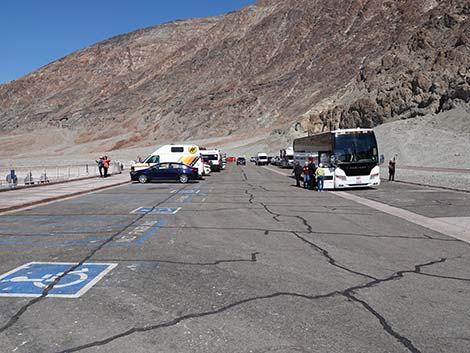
(240, 262)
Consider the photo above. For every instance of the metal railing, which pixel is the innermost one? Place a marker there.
(19, 177)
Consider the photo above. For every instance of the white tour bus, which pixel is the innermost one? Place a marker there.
(350, 157)
(213, 158)
(187, 154)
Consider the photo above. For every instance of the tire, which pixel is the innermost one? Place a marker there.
(183, 178)
(143, 179)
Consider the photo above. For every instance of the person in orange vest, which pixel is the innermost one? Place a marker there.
(106, 162)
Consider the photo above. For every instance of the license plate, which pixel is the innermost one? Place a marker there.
(358, 180)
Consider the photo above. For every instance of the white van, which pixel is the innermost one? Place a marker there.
(187, 154)
(213, 158)
(261, 159)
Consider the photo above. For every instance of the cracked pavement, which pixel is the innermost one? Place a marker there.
(250, 263)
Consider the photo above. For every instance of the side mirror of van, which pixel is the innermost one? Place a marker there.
(382, 159)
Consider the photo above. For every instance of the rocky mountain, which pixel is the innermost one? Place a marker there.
(270, 68)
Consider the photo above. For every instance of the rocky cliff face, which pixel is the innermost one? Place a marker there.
(426, 70)
(267, 67)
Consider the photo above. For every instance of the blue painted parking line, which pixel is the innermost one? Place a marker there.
(139, 235)
(87, 241)
(133, 237)
(156, 210)
(186, 191)
(31, 279)
(62, 225)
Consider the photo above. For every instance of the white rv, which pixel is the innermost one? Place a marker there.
(213, 158)
(187, 154)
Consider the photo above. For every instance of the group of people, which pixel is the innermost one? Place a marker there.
(103, 165)
(313, 177)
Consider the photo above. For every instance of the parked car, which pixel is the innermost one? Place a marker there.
(166, 172)
(253, 159)
(241, 161)
(231, 159)
(276, 160)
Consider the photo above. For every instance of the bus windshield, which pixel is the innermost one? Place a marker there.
(356, 148)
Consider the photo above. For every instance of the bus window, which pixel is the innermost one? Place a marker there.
(356, 148)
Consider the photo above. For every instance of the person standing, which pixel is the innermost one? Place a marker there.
(297, 171)
(391, 170)
(100, 165)
(311, 172)
(320, 176)
(306, 176)
(106, 162)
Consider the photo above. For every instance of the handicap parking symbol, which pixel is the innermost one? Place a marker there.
(156, 210)
(31, 279)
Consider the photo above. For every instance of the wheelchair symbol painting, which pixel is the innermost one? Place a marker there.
(31, 279)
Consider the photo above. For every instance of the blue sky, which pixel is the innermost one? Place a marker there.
(35, 32)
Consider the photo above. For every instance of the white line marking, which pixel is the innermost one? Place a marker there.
(434, 224)
(134, 211)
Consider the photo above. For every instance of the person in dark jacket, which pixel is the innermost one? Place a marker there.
(391, 170)
(297, 171)
(100, 165)
(311, 173)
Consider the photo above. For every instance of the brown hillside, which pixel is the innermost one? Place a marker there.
(267, 66)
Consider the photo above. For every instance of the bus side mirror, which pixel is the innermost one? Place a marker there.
(382, 159)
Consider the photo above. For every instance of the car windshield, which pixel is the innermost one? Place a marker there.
(356, 148)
